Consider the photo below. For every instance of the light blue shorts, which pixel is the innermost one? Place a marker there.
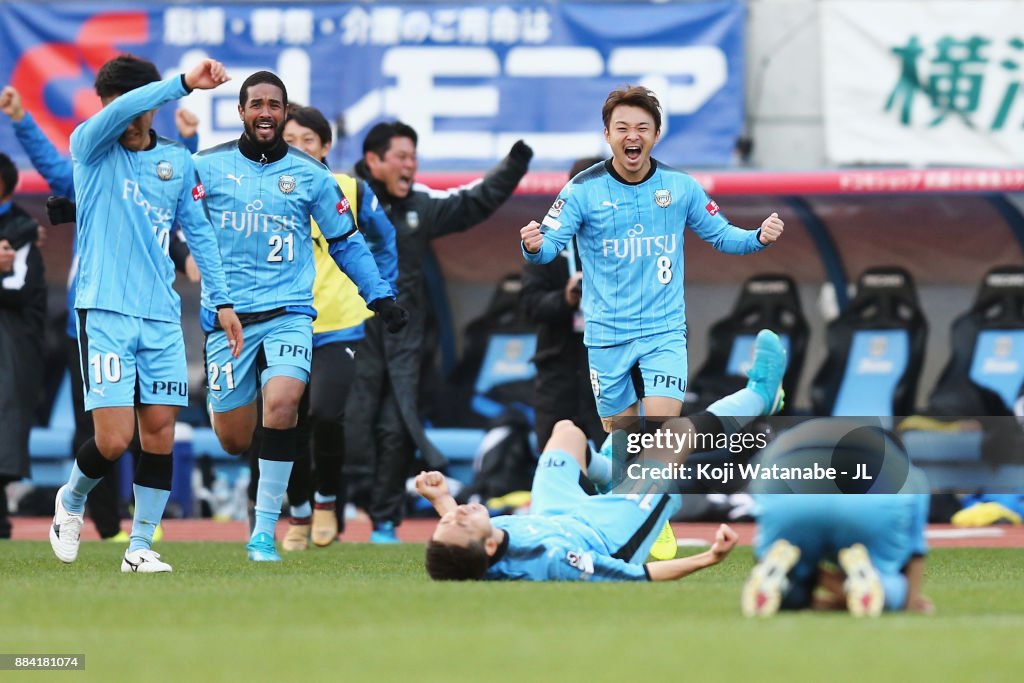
(890, 526)
(281, 346)
(629, 524)
(128, 361)
(662, 361)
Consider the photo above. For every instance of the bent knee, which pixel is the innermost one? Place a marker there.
(234, 444)
(565, 428)
(113, 446)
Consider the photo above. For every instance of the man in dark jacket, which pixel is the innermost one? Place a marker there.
(384, 426)
(22, 319)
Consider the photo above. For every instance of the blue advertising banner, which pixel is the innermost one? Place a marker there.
(471, 79)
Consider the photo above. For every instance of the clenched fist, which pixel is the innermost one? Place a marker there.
(771, 229)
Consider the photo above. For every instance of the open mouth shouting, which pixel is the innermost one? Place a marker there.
(265, 129)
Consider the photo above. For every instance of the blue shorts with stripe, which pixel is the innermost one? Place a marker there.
(628, 524)
(661, 359)
(128, 361)
(279, 347)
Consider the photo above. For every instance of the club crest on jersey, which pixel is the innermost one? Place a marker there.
(198, 192)
(343, 206)
(712, 208)
(662, 198)
(556, 208)
(164, 170)
(413, 220)
(286, 184)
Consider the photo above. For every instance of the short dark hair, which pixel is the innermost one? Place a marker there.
(124, 73)
(378, 140)
(310, 117)
(256, 79)
(633, 96)
(448, 562)
(8, 175)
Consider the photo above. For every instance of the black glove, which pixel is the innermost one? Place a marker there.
(394, 316)
(61, 210)
(521, 152)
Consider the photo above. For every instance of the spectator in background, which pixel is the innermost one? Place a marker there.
(22, 321)
(384, 427)
(551, 298)
(57, 171)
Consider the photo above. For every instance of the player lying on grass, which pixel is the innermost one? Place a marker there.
(569, 535)
(848, 550)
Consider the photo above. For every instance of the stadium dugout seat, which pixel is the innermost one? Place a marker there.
(50, 447)
(766, 301)
(875, 350)
(493, 376)
(980, 383)
(985, 371)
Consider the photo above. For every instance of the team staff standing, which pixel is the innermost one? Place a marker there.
(383, 418)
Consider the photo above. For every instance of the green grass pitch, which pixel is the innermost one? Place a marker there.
(368, 613)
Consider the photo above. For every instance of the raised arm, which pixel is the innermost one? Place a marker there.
(461, 208)
(51, 164)
(100, 132)
(433, 487)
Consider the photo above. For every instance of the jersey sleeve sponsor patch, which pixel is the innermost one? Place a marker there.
(556, 208)
(198, 192)
(551, 223)
(581, 561)
(343, 206)
(712, 208)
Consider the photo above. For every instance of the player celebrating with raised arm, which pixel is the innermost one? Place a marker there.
(262, 194)
(628, 214)
(132, 188)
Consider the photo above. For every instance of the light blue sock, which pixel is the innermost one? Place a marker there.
(149, 510)
(740, 408)
(273, 484)
(77, 490)
(895, 587)
(599, 469)
(304, 510)
(321, 499)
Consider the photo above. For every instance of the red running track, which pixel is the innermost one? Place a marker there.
(419, 530)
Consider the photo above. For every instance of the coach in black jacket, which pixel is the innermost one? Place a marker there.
(383, 424)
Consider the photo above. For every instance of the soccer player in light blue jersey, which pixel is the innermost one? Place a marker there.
(262, 194)
(132, 187)
(628, 215)
(854, 550)
(571, 536)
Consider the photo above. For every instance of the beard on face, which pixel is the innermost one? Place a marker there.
(250, 132)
